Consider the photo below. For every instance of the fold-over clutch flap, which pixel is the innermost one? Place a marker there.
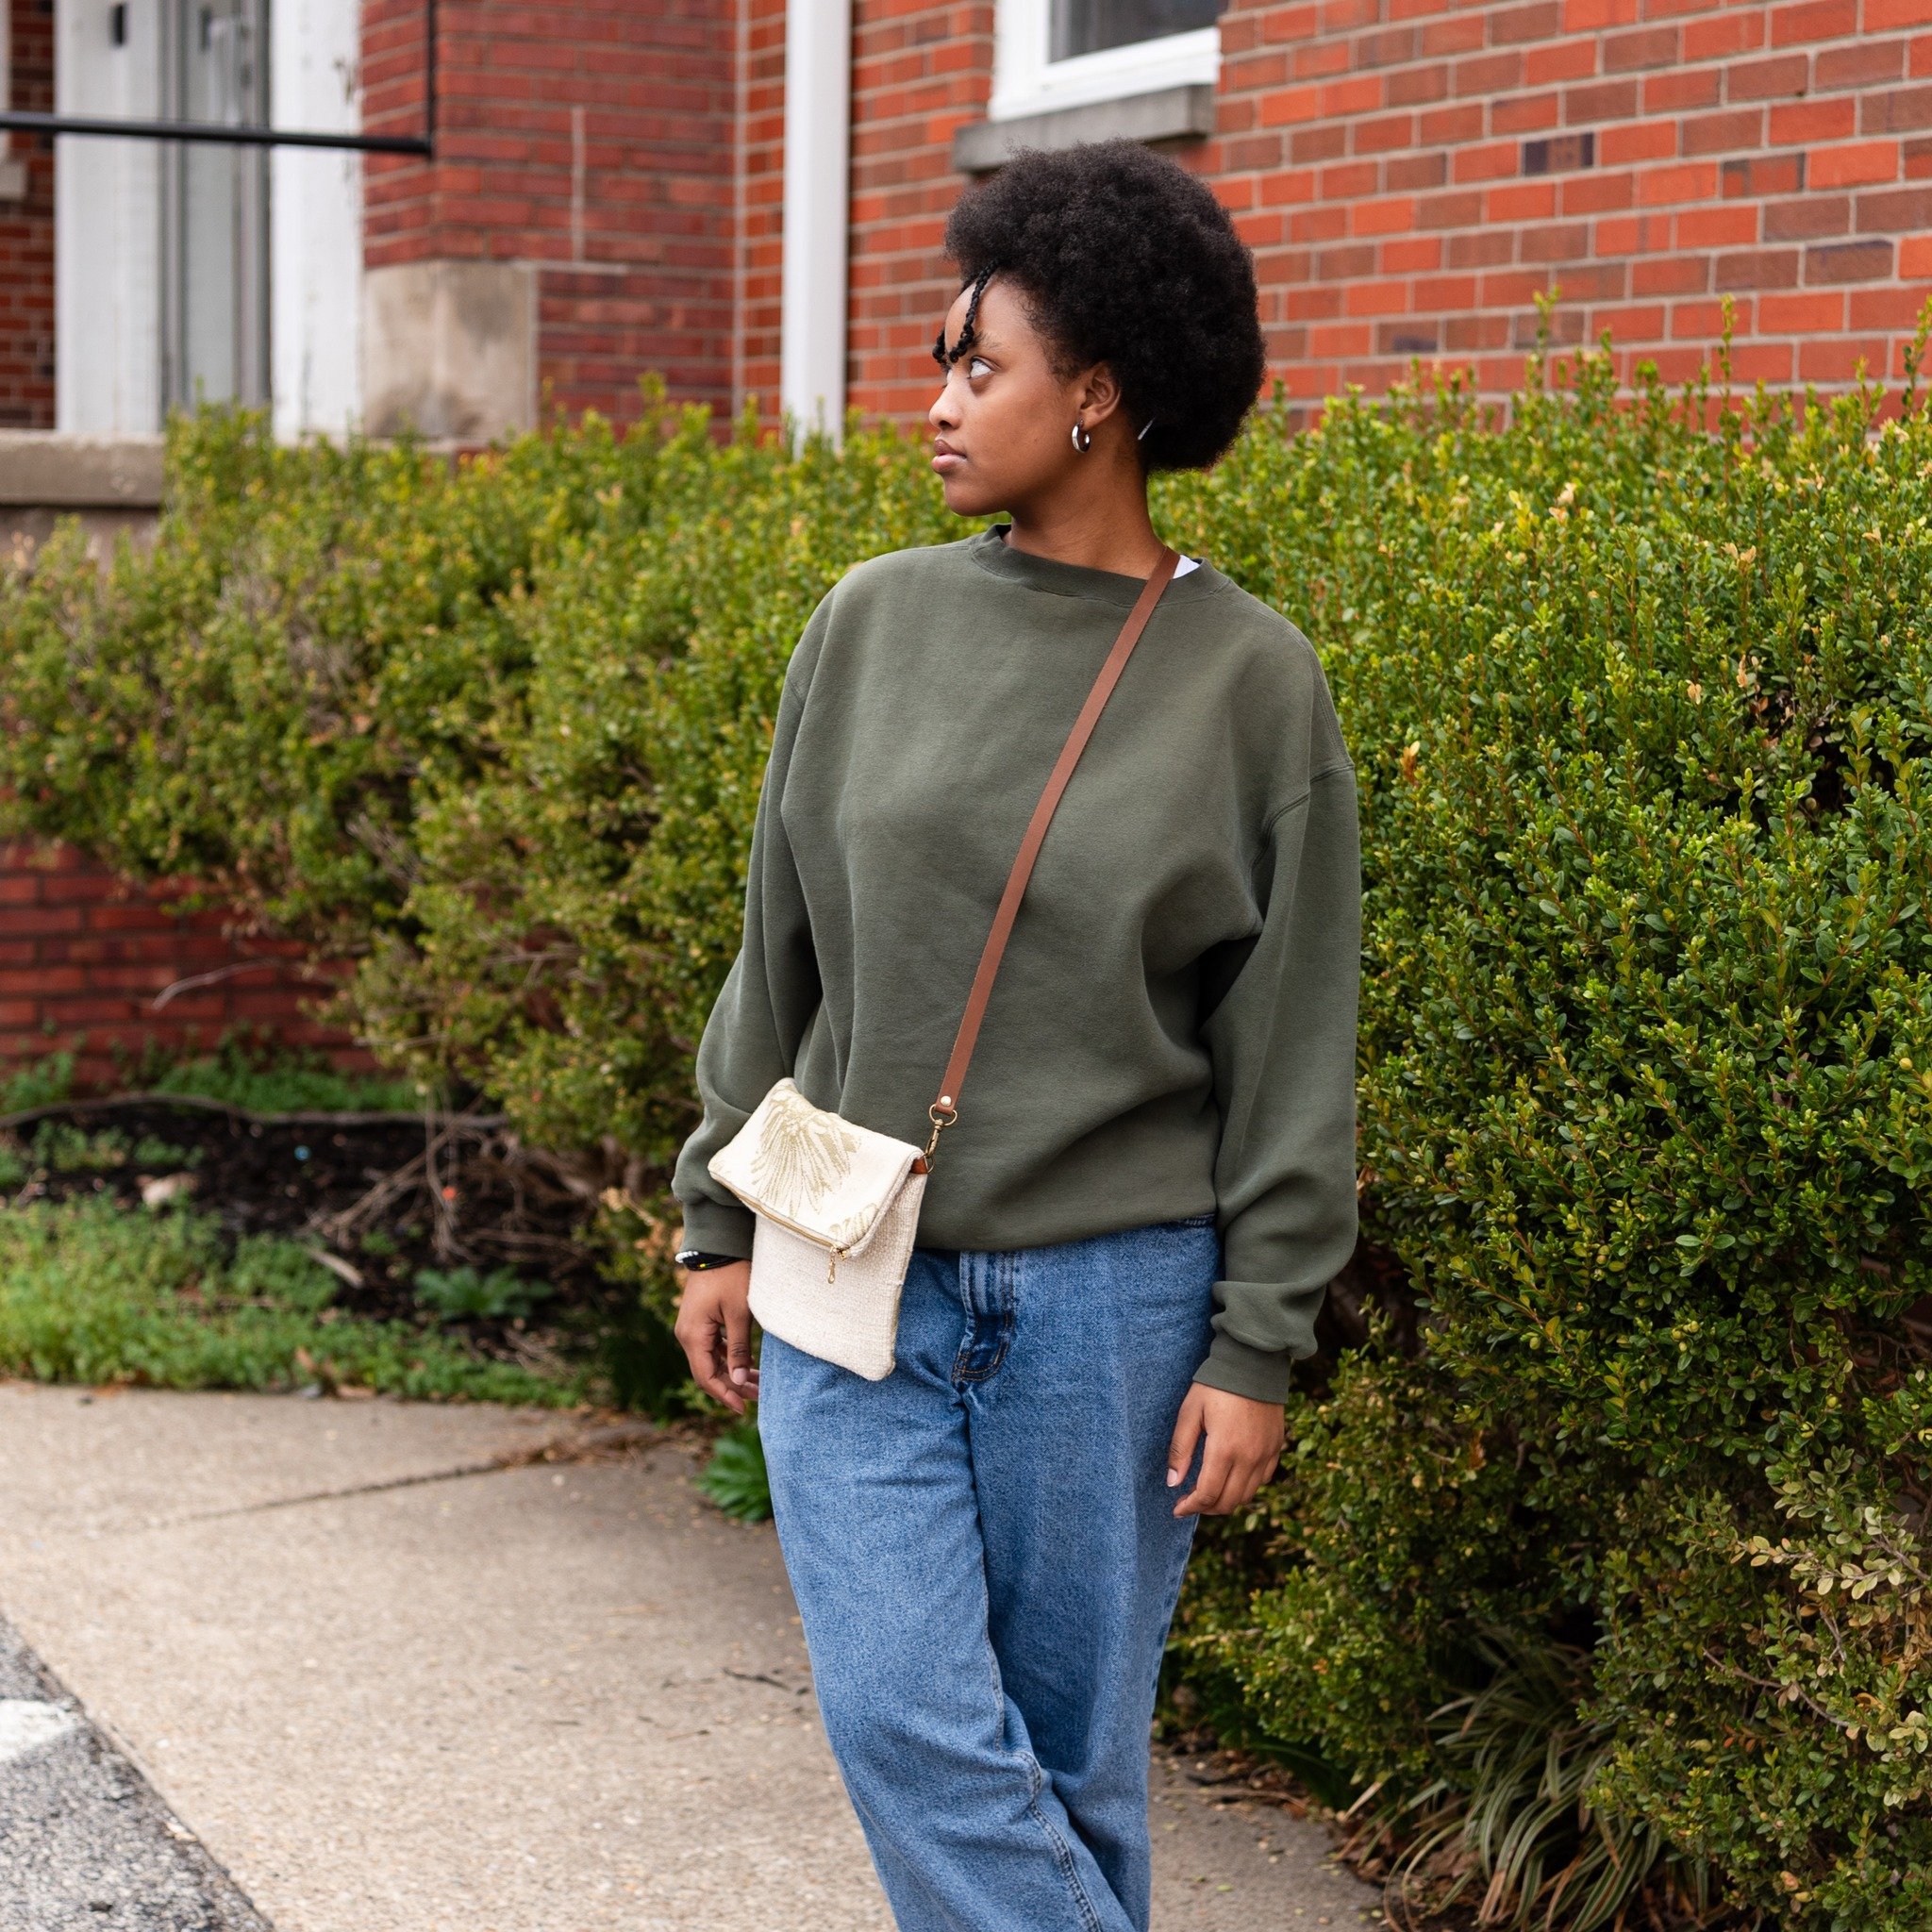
(814, 1171)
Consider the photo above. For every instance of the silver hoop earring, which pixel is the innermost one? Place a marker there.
(1083, 439)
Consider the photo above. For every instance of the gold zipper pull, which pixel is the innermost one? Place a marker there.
(832, 1267)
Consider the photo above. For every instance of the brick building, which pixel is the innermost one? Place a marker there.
(749, 199)
(614, 181)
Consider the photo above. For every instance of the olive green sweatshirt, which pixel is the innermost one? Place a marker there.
(1173, 1029)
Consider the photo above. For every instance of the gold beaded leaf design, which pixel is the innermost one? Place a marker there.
(845, 1233)
(802, 1154)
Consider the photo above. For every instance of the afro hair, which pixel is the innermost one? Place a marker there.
(1123, 257)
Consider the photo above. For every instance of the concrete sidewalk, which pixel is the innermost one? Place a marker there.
(396, 1675)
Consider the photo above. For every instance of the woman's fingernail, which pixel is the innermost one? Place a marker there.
(737, 1375)
(1174, 1475)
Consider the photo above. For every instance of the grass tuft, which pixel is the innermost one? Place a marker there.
(1510, 1828)
(284, 1081)
(91, 1292)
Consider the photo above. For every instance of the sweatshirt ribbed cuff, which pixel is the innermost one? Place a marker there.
(719, 1227)
(1262, 1374)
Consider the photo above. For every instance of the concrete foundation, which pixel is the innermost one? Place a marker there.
(112, 484)
(450, 349)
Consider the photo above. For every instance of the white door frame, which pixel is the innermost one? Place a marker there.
(108, 223)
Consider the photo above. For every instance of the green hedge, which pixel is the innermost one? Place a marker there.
(494, 733)
(1642, 716)
(1627, 1392)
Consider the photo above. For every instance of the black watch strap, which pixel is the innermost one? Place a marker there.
(701, 1258)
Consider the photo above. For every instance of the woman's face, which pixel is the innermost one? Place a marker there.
(1003, 423)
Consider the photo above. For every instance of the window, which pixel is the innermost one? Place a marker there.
(1066, 52)
(190, 270)
(1087, 27)
(214, 205)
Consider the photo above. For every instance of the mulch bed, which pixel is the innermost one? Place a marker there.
(380, 1197)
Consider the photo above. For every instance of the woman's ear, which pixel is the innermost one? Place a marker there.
(1100, 395)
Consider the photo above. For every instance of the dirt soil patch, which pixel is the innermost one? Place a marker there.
(380, 1198)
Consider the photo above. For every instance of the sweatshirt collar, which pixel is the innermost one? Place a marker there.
(989, 550)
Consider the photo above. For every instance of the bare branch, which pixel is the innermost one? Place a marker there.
(300, 968)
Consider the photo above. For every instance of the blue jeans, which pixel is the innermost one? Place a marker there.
(985, 1560)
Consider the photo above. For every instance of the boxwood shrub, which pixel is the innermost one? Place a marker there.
(1632, 1367)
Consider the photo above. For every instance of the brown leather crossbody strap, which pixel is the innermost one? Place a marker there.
(944, 1110)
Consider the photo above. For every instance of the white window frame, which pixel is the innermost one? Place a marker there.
(107, 228)
(1024, 81)
(107, 224)
(12, 168)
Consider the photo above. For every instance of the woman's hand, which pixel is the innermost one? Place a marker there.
(714, 1328)
(1244, 1439)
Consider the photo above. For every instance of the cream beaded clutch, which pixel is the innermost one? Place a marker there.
(837, 1208)
(837, 1205)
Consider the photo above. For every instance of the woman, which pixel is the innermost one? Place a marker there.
(985, 1546)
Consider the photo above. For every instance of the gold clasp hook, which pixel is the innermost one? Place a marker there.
(941, 1117)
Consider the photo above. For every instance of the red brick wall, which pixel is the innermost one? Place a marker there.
(593, 139)
(26, 234)
(83, 956)
(1412, 173)
(917, 73)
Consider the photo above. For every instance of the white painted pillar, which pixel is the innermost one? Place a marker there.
(107, 228)
(315, 220)
(818, 152)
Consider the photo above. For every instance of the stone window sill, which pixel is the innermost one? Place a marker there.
(1170, 113)
(47, 470)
